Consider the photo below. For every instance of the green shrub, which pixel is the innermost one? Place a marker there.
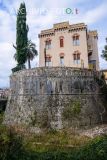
(72, 110)
(16, 147)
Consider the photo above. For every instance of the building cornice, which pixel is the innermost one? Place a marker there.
(93, 33)
(62, 27)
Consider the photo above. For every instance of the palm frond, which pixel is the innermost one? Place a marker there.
(31, 50)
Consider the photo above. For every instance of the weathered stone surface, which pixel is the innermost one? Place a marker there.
(95, 131)
(57, 97)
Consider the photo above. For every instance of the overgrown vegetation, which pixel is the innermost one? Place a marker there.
(51, 145)
(102, 90)
(102, 86)
(72, 109)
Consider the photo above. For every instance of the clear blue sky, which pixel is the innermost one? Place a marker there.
(41, 15)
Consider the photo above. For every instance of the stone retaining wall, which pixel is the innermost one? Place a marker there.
(57, 97)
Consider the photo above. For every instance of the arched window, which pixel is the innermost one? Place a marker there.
(48, 43)
(76, 40)
(76, 57)
(61, 41)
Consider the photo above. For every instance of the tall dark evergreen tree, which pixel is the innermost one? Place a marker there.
(21, 38)
(104, 52)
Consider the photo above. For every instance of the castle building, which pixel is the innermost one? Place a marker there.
(69, 45)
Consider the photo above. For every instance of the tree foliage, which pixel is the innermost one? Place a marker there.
(104, 52)
(25, 49)
(21, 38)
(72, 110)
(22, 30)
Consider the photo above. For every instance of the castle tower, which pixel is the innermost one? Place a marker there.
(93, 58)
(69, 45)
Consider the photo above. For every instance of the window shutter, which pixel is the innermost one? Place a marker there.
(78, 56)
(61, 43)
(75, 57)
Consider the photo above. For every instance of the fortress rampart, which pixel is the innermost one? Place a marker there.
(55, 97)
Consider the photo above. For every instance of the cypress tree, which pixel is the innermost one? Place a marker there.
(21, 38)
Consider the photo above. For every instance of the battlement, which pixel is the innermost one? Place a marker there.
(62, 26)
(93, 33)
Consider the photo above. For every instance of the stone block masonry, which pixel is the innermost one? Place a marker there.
(55, 97)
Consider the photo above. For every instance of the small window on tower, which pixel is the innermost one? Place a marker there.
(76, 40)
(76, 58)
(48, 61)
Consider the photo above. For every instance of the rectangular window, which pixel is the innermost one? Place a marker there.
(76, 41)
(48, 44)
(78, 61)
(48, 61)
(62, 61)
(61, 43)
(75, 61)
(92, 64)
(76, 58)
